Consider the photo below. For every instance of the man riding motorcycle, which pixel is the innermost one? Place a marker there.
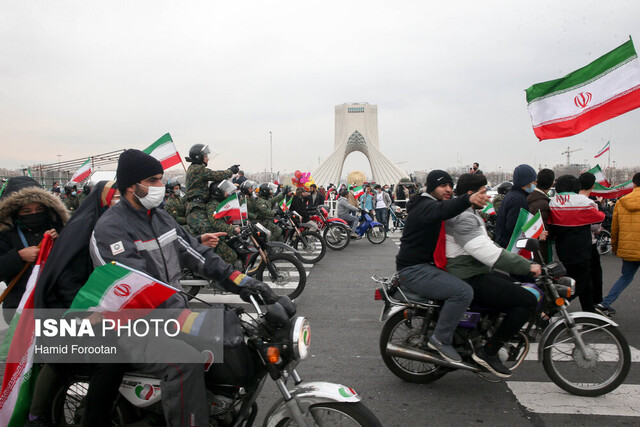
(422, 256)
(264, 209)
(471, 256)
(136, 234)
(219, 192)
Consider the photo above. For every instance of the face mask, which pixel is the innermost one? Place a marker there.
(154, 197)
(530, 189)
(176, 192)
(73, 193)
(35, 221)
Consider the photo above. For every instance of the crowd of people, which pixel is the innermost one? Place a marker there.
(445, 252)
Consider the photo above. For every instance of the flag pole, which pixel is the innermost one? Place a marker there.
(609, 163)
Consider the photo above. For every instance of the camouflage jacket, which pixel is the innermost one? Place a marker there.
(198, 177)
(218, 224)
(71, 202)
(176, 207)
(263, 209)
(251, 208)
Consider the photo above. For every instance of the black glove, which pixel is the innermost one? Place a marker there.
(251, 286)
(234, 169)
(286, 189)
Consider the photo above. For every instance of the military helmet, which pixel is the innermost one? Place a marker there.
(504, 187)
(247, 187)
(197, 153)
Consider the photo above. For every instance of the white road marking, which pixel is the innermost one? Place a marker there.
(607, 353)
(548, 398)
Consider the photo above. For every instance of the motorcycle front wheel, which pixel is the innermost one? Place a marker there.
(285, 275)
(337, 236)
(376, 234)
(339, 414)
(311, 247)
(398, 330)
(601, 370)
(603, 244)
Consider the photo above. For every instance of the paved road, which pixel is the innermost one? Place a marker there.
(338, 301)
(344, 317)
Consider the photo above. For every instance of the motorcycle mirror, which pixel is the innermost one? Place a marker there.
(531, 245)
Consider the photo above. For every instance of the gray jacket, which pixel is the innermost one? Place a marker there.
(470, 251)
(154, 243)
(345, 208)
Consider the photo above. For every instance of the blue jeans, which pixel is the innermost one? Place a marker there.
(629, 269)
(436, 284)
(381, 215)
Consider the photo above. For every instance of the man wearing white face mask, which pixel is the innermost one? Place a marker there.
(524, 182)
(136, 234)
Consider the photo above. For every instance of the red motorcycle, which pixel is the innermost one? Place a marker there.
(336, 231)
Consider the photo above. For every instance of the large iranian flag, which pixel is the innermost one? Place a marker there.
(606, 88)
(165, 151)
(230, 207)
(20, 377)
(82, 173)
(115, 287)
(612, 192)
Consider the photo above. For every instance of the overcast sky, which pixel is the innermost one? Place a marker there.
(86, 77)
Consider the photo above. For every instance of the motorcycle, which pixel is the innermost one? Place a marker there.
(583, 353)
(374, 231)
(335, 231)
(309, 245)
(285, 274)
(275, 342)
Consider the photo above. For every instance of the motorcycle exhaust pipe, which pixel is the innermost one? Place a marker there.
(423, 356)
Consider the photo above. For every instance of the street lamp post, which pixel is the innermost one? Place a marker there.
(271, 156)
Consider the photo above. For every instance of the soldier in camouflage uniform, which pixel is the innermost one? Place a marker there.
(198, 177)
(218, 193)
(247, 189)
(86, 189)
(70, 199)
(264, 210)
(175, 205)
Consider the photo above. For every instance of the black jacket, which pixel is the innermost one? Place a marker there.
(319, 200)
(422, 227)
(508, 213)
(298, 205)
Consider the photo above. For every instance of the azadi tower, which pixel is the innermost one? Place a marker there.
(357, 130)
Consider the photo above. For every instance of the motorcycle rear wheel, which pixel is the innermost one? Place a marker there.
(376, 234)
(397, 331)
(68, 405)
(311, 252)
(603, 244)
(571, 371)
(292, 275)
(339, 414)
(337, 236)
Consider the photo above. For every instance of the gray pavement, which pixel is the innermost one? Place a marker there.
(339, 302)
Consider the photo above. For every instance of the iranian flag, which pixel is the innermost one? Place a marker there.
(573, 210)
(534, 227)
(115, 287)
(19, 372)
(82, 173)
(524, 217)
(489, 209)
(285, 204)
(612, 192)
(358, 191)
(604, 89)
(230, 207)
(164, 150)
(600, 178)
(604, 150)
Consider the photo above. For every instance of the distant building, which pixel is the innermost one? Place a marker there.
(356, 129)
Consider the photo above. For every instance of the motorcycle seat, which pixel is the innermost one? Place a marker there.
(414, 297)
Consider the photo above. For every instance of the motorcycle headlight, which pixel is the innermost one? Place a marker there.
(301, 338)
(569, 284)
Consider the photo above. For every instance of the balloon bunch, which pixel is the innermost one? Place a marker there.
(302, 179)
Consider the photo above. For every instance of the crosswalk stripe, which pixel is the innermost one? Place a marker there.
(548, 398)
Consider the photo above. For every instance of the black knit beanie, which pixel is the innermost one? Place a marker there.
(134, 166)
(436, 178)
